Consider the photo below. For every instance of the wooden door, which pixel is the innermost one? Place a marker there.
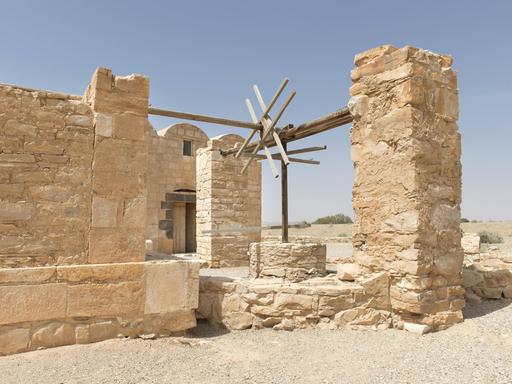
(179, 220)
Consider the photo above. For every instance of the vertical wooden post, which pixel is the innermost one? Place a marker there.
(284, 198)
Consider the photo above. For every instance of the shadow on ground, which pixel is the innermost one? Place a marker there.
(474, 310)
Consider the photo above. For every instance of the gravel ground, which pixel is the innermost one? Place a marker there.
(477, 351)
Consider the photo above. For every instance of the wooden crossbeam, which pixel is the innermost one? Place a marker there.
(205, 118)
(265, 148)
(267, 122)
(308, 149)
(277, 156)
(310, 128)
(266, 132)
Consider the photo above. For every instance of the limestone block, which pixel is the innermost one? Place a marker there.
(13, 340)
(21, 303)
(17, 128)
(471, 243)
(22, 210)
(27, 275)
(102, 331)
(238, 320)
(104, 212)
(17, 158)
(171, 286)
(53, 335)
(129, 126)
(80, 120)
(471, 278)
(134, 213)
(103, 124)
(107, 299)
(293, 261)
(284, 301)
(117, 272)
(347, 271)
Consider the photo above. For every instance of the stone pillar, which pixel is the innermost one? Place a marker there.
(118, 223)
(407, 189)
(228, 205)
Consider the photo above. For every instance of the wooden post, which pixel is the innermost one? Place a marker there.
(284, 199)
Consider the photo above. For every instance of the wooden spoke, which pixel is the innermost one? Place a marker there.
(269, 130)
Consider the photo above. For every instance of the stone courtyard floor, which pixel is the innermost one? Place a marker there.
(477, 351)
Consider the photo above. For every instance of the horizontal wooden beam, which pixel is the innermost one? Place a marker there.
(277, 156)
(308, 149)
(204, 118)
(313, 127)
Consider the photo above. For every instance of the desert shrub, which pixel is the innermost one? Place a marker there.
(487, 237)
(335, 219)
(342, 235)
(464, 220)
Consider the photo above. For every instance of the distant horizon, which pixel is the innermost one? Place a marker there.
(197, 64)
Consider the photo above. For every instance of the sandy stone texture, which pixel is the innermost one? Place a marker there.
(407, 188)
(228, 205)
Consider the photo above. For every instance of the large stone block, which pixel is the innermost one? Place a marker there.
(171, 286)
(294, 261)
(107, 299)
(20, 303)
(13, 340)
(104, 212)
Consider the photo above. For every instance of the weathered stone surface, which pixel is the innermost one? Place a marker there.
(53, 335)
(13, 340)
(105, 299)
(407, 189)
(348, 271)
(102, 331)
(226, 200)
(171, 286)
(238, 320)
(22, 303)
(471, 243)
(292, 261)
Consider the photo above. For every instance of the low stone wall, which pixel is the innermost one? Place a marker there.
(491, 279)
(292, 261)
(59, 305)
(306, 238)
(274, 303)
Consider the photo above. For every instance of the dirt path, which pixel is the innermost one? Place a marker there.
(477, 351)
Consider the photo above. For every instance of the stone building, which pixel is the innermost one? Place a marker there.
(85, 181)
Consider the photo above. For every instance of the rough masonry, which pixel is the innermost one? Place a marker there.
(407, 187)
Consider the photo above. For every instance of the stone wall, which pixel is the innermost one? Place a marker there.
(46, 151)
(314, 303)
(293, 261)
(168, 171)
(407, 188)
(51, 306)
(228, 205)
(118, 222)
(73, 220)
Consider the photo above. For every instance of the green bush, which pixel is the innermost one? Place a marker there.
(464, 220)
(335, 219)
(487, 237)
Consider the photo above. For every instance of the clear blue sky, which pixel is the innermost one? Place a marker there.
(204, 56)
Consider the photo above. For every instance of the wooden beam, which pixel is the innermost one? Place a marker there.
(204, 118)
(307, 129)
(274, 98)
(308, 149)
(277, 156)
(266, 121)
(265, 148)
(284, 199)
